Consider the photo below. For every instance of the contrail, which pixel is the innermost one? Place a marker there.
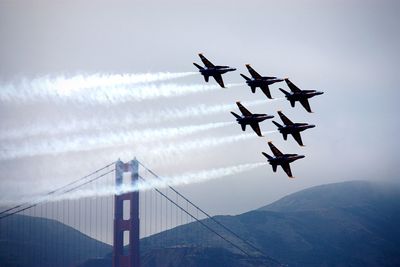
(116, 95)
(164, 152)
(142, 118)
(77, 143)
(198, 111)
(192, 177)
(62, 86)
(151, 183)
(105, 95)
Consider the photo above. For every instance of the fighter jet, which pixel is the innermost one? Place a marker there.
(251, 119)
(262, 82)
(212, 70)
(281, 159)
(292, 128)
(299, 95)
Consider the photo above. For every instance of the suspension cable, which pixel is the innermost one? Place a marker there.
(208, 215)
(44, 198)
(199, 221)
(60, 188)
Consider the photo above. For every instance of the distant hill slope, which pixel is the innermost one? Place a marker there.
(344, 224)
(338, 195)
(21, 248)
(200, 257)
(189, 257)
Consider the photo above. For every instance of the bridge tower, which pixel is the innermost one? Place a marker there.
(127, 225)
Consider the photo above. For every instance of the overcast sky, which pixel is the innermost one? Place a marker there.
(348, 49)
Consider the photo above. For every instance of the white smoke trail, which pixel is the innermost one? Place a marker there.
(103, 123)
(116, 95)
(106, 95)
(163, 182)
(98, 141)
(47, 87)
(164, 152)
(197, 111)
(168, 153)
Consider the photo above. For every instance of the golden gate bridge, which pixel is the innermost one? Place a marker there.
(120, 225)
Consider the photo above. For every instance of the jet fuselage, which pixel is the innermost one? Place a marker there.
(285, 158)
(216, 70)
(263, 81)
(253, 118)
(305, 94)
(296, 127)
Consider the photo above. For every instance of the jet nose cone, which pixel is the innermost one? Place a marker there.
(320, 93)
(301, 156)
(311, 126)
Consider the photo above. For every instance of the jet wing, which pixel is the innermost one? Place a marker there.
(245, 111)
(266, 91)
(306, 105)
(274, 150)
(285, 120)
(253, 73)
(219, 80)
(286, 168)
(256, 128)
(297, 137)
(292, 87)
(206, 62)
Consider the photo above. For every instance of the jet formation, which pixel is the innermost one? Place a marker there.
(254, 119)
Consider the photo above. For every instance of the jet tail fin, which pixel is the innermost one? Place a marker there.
(236, 115)
(198, 66)
(277, 124)
(274, 167)
(245, 77)
(266, 155)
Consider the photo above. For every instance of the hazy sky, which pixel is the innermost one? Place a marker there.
(348, 49)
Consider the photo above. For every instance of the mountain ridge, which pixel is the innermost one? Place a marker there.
(352, 193)
(341, 224)
(350, 223)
